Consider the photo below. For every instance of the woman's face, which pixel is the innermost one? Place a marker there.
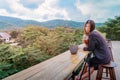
(87, 28)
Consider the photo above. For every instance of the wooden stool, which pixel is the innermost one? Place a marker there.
(109, 70)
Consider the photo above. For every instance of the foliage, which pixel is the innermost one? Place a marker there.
(112, 28)
(14, 33)
(36, 44)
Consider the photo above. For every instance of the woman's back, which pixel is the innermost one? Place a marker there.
(101, 50)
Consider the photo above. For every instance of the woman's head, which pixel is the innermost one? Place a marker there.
(89, 26)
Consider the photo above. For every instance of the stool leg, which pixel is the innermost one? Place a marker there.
(99, 73)
(114, 76)
(107, 72)
(111, 74)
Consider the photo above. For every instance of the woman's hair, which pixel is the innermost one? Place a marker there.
(92, 25)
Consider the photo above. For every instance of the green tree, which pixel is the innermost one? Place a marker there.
(36, 44)
(112, 28)
(14, 34)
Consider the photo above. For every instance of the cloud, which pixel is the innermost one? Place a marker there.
(31, 1)
(3, 11)
(50, 9)
(78, 10)
(98, 11)
(46, 11)
(85, 9)
(88, 9)
(31, 4)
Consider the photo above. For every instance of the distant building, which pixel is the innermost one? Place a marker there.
(5, 37)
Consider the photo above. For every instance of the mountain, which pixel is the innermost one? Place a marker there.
(11, 23)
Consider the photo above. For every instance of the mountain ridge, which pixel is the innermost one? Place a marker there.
(10, 22)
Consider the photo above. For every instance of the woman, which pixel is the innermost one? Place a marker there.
(97, 44)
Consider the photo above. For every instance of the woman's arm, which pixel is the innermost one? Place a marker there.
(91, 44)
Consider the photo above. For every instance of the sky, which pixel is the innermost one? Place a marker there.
(76, 10)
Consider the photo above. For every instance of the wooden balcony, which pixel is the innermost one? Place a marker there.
(61, 67)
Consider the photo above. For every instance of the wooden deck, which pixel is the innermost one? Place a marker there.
(116, 56)
(37, 72)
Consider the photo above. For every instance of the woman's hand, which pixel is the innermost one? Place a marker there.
(85, 41)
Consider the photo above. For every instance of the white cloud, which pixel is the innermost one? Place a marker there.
(108, 3)
(85, 9)
(3, 12)
(94, 10)
(48, 10)
(99, 11)
(32, 1)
